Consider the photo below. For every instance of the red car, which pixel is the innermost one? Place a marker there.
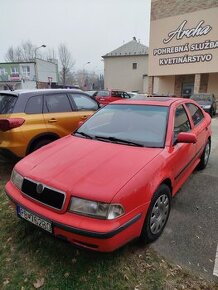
(112, 180)
(107, 96)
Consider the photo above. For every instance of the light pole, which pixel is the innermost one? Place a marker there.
(43, 45)
(36, 72)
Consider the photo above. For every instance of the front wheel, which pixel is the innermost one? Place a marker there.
(205, 156)
(157, 214)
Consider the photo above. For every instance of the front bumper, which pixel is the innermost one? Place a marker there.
(112, 234)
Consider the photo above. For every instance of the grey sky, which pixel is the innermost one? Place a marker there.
(89, 28)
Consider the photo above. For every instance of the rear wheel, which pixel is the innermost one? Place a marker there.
(205, 156)
(157, 215)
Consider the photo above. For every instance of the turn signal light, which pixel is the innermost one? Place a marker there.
(10, 123)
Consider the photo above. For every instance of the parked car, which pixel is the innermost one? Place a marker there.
(92, 94)
(107, 96)
(113, 179)
(132, 94)
(139, 97)
(31, 119)
(207, 102)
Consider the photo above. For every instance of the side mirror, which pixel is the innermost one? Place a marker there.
(184, 137)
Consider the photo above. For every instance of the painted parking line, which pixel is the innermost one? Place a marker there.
(215, 270)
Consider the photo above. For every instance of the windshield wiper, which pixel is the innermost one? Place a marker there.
(83, 134)
(118, 140)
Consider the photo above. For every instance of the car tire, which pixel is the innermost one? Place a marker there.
(157, 215)
(40, 143)
(205, 156)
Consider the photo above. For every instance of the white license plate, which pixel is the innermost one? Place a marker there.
(34, 219)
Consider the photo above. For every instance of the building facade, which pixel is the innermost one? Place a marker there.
(28, 75)
(126, 68)
(183, 51)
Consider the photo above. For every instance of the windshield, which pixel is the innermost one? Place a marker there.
(142, 125)
(205, 98)
(7, 103)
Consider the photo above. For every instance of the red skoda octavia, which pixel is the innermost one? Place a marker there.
(112, 180)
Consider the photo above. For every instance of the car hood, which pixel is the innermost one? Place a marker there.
(87, 168)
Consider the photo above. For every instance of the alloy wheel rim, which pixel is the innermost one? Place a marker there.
(159, 214)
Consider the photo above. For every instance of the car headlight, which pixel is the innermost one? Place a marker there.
(95, 209)
(17, 179)
(206, 107)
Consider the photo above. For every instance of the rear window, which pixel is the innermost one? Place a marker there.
(7, 103)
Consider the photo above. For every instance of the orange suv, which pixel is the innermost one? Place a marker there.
(34, 118)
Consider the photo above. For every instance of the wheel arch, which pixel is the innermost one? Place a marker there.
(39, 137)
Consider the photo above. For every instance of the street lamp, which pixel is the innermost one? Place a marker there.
(43, 45)
(36, 72)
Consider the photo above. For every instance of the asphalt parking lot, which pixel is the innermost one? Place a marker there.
(190, 238)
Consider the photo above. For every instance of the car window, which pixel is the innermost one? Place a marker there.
(103, 94)
(7, 103)
(34, 105)
(125, 95)
(57, 103)
(181, 123)
(142, 124)
(196, 113)
(116, 94)
(83, 102)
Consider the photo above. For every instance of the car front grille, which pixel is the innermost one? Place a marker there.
(44, 194)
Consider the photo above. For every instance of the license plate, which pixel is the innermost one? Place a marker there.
(34, 219)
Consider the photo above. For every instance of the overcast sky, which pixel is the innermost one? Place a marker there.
(89, 28)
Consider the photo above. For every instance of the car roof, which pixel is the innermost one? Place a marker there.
(157, 101)
(38, 91)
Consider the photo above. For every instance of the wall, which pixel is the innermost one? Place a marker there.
(45, 70)
(119, 74)
(164, 85)
(212, 84)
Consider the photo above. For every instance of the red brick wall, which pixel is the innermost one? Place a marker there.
(166, 8)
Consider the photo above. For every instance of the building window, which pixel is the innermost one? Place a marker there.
(14, 70)
(26, 71)
(134, 65)
(2, 71)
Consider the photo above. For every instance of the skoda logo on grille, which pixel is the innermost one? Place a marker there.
(39, 188)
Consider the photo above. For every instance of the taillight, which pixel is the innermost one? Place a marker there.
(10, 123)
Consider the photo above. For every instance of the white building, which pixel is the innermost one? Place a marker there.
(126, 67)
(28, 75)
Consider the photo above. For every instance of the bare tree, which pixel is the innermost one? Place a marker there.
(23, 52)
(28, 50)
(66, 61)
(10, 54)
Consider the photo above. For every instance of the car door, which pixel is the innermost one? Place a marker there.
(58, 114)
(84, 107)
(182, 154)
(199, 127)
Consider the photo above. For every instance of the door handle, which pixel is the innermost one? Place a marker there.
(84, 117)
(52, 120)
